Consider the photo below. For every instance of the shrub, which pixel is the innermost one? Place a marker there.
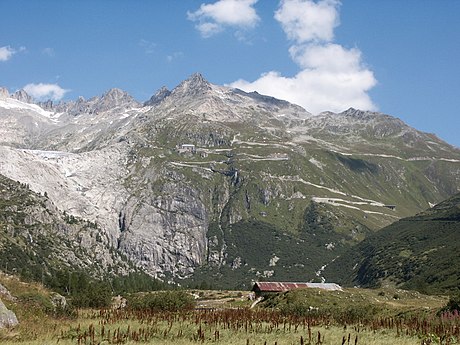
(95, 295)
(162, 301)
(38, 301)
(453, 304)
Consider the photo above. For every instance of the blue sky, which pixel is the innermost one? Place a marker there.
(397, 57)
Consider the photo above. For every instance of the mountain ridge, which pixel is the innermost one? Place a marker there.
(197, 85)
(173, 182)
(418, 252)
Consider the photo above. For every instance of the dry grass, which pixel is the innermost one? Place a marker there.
(227, 325)
(186, 332)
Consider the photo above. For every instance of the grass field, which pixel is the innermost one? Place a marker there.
(210, 327)
(352, 316)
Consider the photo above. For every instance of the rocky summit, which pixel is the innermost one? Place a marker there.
(206, 183)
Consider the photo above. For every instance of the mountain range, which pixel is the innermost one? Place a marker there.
(206, 183)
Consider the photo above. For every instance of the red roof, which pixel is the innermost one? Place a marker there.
(282, 286)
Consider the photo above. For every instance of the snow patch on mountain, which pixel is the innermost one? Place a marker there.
(10, 103)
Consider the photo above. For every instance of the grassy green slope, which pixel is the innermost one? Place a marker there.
(420, 252)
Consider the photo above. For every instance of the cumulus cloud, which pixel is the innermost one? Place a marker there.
(307, 20)
(330, 77)
(45, 91)
(6, 53)
(213, 18)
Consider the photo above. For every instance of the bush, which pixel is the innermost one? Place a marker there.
(36, 300)
(95, 295)
(453, 304)
(162, 301)
(67, 311)
(41, 303)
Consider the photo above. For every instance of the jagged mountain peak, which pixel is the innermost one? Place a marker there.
(47, 105)
(194, 85)
(160, 95)
(115, 94)
(216, 103)
(112, 99)
(197, 78)
(22, 96)
(353, 112)
(4, 93)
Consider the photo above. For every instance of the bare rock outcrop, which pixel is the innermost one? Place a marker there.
(7, 317)
(166, 233)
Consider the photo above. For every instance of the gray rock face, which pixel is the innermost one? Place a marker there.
(4, 93)
(166, 233)
(7, 317)
(58, 301)
(22, 96)
(47, 105)
(4, 293)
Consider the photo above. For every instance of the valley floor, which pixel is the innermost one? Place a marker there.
(225, 317)
(187, 334)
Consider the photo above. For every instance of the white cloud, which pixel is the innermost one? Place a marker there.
(45, 91)
(317, 90)
(328, 57)
(208, 29)
(6, 53)
(304, 21)
(331, 77)
(213, 18)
